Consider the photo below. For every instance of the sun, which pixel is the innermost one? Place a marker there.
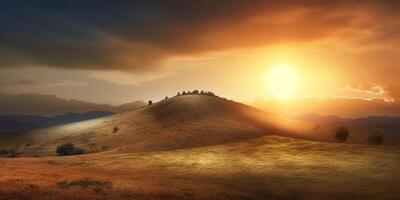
(282, 82)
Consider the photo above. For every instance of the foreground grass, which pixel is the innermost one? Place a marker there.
(265, 168)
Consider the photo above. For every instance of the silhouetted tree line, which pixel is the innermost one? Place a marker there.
(196, 92)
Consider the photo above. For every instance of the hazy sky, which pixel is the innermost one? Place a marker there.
(120, 51)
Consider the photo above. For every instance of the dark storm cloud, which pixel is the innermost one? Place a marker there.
(135, 35)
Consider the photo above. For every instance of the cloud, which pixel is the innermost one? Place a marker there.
(394, 91)
(375, 90)
(368, 91)
(138, 35)
(121, 78)
(32, 82)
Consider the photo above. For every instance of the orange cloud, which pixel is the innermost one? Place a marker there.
(138, 35)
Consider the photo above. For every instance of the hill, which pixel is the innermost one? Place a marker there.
(18, 123)
(50, 105)
(384, 123)
(178, 122)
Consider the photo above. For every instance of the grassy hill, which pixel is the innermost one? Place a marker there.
(178, 122)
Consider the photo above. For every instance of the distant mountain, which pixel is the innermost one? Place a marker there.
(322, 119)
(384, 123)
(50, 105)
(17, 123)
(347, 107)
(129, 106)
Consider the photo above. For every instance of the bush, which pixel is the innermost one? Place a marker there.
(342, 133)
(13, 154)
(375, 137)
(150, 102)
(9, 153)
(68, 149)
(115, 129)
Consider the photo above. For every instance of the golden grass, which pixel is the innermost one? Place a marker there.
(269, 167)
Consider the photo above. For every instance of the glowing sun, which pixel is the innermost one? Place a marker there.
(282, 82)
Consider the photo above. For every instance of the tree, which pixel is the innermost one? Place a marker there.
(68, 149)
(202, 92)
(150, 102)
(183, 93)
(375, 137)
(195, 92)
(166, 98)
(178, 94)
(342, 133)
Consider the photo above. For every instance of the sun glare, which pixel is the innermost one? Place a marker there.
(282, 82)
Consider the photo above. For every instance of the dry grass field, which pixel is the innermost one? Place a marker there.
(269, 167)
(197, 147)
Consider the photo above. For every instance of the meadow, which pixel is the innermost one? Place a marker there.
(270, 167)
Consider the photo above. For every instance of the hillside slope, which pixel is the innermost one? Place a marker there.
(178, 122)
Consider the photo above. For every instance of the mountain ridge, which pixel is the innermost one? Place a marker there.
(388, 124)
(51, 105)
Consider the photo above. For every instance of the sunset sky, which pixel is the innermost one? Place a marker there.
(120, 51)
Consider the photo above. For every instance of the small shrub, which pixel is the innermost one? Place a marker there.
(115, 129)
(150, 102)
(375, 137)
(2, 152)
(69, 149)
(13, 154)
(9, 153)
(85, 183)
(342, 133)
